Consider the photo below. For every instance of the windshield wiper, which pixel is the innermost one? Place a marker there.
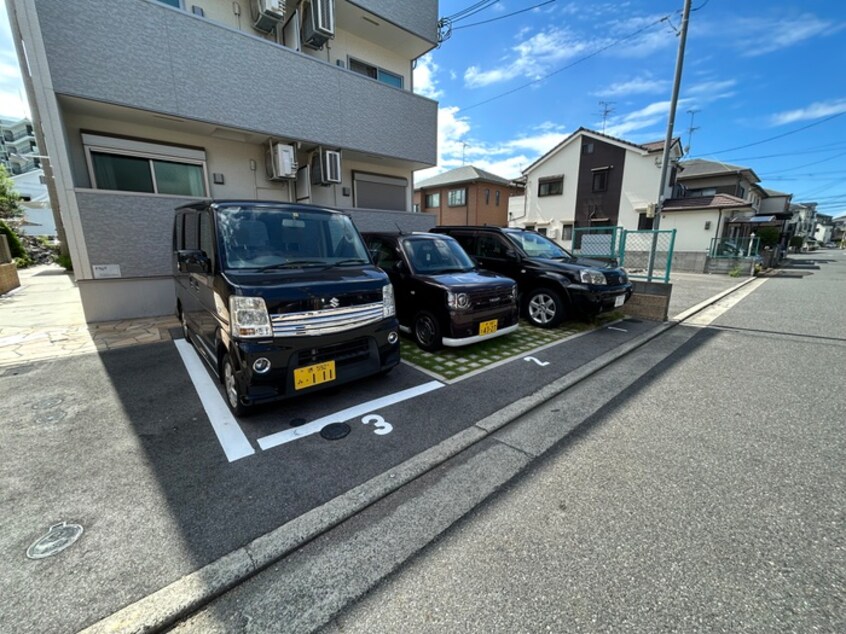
(291, 264)
(349, 261)
(452, 270)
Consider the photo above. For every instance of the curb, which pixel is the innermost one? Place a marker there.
(185, 596)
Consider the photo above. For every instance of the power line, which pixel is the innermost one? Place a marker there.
(502, 17)
(568, 66)
(778, 136)
(467, 11)
(826, 160)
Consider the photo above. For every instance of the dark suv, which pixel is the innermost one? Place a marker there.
(553, 283)
(441, 298)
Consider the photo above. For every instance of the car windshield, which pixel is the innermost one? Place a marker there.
(537, 246)
(268, 238)
(431, 256)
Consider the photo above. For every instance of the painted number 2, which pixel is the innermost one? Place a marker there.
(382, 426)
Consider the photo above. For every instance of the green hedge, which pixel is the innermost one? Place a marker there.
(15, 245)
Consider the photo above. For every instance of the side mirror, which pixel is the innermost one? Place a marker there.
(512, 255)
(399, 266)
(193, 261)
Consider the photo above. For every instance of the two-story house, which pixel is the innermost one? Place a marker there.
(145, 105)
(466, 195)
(592, 179)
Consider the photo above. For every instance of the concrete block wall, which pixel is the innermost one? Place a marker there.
(8, 277)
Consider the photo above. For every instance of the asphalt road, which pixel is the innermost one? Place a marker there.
(702, 491)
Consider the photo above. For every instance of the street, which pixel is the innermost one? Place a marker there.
(707, 495)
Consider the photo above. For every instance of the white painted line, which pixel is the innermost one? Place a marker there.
(617, 329)
(710, 314)
(536, 360)
(314, 427)
(229, 434)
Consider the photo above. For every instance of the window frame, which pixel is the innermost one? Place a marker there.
(151, 151)
(566, 232)
(604, 174)
(378, 70)
(496, 197)
(463, 203)
(426, 198)
(547, 183)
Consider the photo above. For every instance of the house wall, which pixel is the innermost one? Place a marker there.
(476, 211)
(640, 187)
(606, 204)
(551, 211)
(691, 234)
(774, 204)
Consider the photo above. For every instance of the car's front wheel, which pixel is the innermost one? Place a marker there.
(231, 389)
(544, 308)
(427, 332)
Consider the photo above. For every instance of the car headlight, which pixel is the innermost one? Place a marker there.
(513, 294)
(592, 276)
(389, 305)
(249, 318)
(459, 301)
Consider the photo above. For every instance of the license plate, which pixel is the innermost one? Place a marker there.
(487, 327)
(314, 375)
(619, 301)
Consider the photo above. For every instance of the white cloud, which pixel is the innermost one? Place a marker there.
(424, 78)
(507, 158)
(644, 84)
(815, 110)
(532, 58)
(713, 88)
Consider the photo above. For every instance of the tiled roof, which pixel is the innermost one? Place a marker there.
(772, 192)
(464, 174)
(719, 201)
(695, 168)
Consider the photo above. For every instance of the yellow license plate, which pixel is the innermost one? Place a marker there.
(487, 327)
(314, 375)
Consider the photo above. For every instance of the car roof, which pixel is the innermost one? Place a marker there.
(268, 204)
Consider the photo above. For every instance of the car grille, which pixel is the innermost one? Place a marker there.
(324, 322)
(615, 278)
(481, 300)
(341, 353)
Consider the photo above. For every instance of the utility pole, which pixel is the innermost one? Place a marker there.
(674, 100)
(606, 110)
(463, 148)
(690, 130)
(665, 157)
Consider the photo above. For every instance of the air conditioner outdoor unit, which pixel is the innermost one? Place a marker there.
(326, 167)
(318, 23)
(281, 161)
(267, 14)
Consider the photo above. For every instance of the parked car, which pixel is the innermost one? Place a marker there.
(280, 299)
(553, 284)
(442, 298)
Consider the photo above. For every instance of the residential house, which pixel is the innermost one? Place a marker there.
(592, 179)
(824, 228)
(466, 196)
(18, 149)
(803, 221)
(715, 201)
(145, 105)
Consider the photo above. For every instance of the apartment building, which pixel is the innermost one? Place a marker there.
(18, 148)
(148, 104)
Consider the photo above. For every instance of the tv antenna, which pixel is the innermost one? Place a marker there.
(606, 110)
(690, 130)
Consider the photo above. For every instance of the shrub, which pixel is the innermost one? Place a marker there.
(15, 245)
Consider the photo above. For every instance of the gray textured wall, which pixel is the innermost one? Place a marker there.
(418, 16)
(145, 55)
(136, 231)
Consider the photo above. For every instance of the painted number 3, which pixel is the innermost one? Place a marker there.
(382, 426)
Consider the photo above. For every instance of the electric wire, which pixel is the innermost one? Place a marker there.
(502, 17)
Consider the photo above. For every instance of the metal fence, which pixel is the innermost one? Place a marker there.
(645, 254)
(733, 248)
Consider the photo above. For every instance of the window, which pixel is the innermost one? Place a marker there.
(488, 246)
(741, 192)
(542, 231)
(587, 148)
(176, 4)
(600, 180)
(457, 197)
(137, 166)
(433, 200)
(415, 208)
(487, 196)
(206, 234)
(496, 198)
(374, 72)
(551, 186)
(567, 232)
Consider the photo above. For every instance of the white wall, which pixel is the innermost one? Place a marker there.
(691, 234)
(551, 211)
(640, 187)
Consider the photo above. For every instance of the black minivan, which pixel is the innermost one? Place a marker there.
(553, 283)
(280, 299)
(442, 298)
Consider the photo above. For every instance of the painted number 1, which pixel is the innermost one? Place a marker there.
(382, 427)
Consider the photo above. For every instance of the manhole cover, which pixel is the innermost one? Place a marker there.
(59, 537)
(298, 422)
(335, 431)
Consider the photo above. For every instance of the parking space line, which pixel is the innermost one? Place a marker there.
(229, 434)
(314, 427)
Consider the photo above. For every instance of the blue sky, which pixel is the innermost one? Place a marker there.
(754, 70)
